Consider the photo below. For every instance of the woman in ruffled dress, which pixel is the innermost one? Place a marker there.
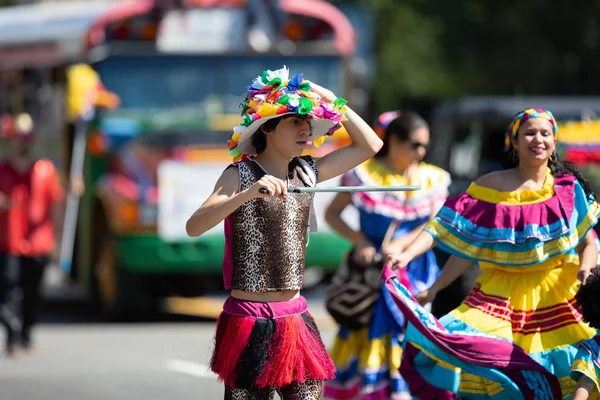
(530, 230)
(367, 359)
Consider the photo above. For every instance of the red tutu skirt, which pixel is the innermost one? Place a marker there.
(262, 345)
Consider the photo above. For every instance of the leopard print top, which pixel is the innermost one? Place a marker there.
(268, 236)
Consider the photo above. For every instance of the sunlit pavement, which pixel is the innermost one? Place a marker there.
(78, 358)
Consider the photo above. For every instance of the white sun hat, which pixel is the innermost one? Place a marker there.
(274, 95)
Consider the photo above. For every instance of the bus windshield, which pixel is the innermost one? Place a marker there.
(188, 92)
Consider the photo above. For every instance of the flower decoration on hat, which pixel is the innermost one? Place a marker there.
(272, 95)
(522, 117)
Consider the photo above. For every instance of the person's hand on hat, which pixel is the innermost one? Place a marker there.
(275, 187)
(321, 91)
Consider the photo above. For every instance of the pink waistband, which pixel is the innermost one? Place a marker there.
(257, 309)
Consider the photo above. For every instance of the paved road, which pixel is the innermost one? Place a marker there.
(82, 360)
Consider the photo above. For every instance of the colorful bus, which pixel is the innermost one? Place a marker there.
(179, 73)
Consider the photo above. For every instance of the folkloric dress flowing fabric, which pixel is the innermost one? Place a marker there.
(522, 306)
(367, 360)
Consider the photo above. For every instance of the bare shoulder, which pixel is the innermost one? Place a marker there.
(495, 180)
(228, 182)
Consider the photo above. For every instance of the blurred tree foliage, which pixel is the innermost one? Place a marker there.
(434, 49)
(6, 3)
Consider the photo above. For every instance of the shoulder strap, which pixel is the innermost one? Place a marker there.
(248, 173)
(307, 171)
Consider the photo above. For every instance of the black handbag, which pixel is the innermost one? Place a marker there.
(350, 298)
(354, 290)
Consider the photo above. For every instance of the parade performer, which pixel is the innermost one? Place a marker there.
(367, 359)
(521, 225)
(266, 341)
(31, 209)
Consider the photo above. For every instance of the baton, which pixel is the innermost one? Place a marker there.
(72, 206)
(347, 189)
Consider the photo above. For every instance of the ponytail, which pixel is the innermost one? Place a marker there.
(560, 168)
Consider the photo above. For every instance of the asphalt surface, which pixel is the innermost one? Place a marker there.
(79, 357)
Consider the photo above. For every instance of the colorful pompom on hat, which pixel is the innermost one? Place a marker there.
(273, 95)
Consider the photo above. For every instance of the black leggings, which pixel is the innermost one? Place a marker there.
(310, 390)
(20, 279)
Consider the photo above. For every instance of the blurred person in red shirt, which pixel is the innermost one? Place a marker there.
(31, 210)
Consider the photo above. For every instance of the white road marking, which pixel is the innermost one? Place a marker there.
(189, 368)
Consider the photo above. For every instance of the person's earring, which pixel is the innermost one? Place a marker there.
(553, 158)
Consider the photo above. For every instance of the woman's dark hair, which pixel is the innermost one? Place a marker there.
(588, 299)
(557, 167)
(401, 127)
(259, 139)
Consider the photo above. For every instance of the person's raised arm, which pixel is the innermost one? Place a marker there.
(365, 142)
(226, 198)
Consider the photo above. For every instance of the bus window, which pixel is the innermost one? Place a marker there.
(191, 93)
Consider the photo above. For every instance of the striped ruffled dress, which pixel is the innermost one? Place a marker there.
(524, 299)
